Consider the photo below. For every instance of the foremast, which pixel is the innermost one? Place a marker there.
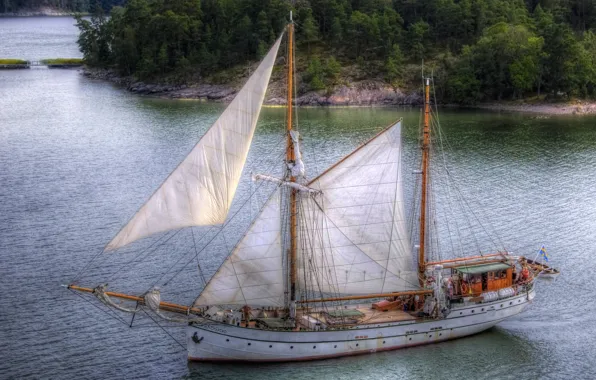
(290, 158)
(424, 185)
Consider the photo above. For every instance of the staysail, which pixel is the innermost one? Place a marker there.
(253, 273)
(353, 237)
(200, 190)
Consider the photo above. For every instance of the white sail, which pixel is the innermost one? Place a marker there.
(200, 190)
(353, 237)
(253, 273)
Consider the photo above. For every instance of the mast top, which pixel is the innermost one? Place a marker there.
(291, 20)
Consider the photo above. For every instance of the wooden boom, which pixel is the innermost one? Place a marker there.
(369, 296)
(167, 306)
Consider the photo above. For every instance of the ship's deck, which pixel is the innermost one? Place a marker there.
(368, 316)
(376, 316)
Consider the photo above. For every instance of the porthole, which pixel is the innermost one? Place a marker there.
(440, 334)
(335, 346)
(430, 336)
(409, 338)
(227, 340)
(383, 342)
(291, 347)
(460, 313)
(249, 343)
(510, 303)
(473, 311)
(270, 346)
(501, 305)
(314, 347)
(482, 309)
(356, 344)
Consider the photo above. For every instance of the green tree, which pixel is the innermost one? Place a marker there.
(394, 67)
(314, 75)
(308, 32)
(417, 39)
(95, 39)
(332, 71)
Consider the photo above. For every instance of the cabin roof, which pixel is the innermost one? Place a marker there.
(476, 269)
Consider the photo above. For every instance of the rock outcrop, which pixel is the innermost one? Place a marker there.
(363, 93)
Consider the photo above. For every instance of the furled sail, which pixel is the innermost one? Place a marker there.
(253, 273)
(353, 237)
(200, 190)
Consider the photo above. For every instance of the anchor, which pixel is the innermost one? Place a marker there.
(196, 339)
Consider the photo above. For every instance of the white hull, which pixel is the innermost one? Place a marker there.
(222, 342)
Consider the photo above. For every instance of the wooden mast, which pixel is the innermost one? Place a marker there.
(425, 152)
(290, 158)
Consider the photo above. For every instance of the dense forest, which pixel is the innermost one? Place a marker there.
(478, 50)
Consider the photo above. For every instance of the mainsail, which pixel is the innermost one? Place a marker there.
(353, 237)
(201, 189)
(253, 273)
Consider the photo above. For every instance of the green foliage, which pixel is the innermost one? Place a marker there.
(96, 38)
(394, 67)
(417, 39)
(321, 76)
(62, 61)
(480, 50)
(11, 61)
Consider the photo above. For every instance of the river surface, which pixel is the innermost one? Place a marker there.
(78, 157)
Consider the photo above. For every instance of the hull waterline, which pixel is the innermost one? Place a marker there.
(217, 342)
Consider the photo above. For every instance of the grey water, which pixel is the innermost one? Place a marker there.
(78, 157)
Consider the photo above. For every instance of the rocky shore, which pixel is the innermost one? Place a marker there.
(363, 93)
(578, 107)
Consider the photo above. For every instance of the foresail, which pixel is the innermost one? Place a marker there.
(200, 190)
(353, 237)
(253, 273)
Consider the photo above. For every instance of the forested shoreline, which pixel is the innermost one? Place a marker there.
(477, 50)
(55, 6)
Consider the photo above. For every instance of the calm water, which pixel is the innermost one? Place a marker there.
(78, 157)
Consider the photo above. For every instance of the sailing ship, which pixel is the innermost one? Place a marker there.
(327, 267)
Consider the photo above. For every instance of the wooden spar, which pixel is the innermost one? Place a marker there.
(369, 296)
(504, 255)
(167, 306)
(475, 263)
(290, 158)
(425, 151)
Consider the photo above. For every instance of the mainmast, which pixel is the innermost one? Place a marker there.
(290, 158)
(425, 152)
